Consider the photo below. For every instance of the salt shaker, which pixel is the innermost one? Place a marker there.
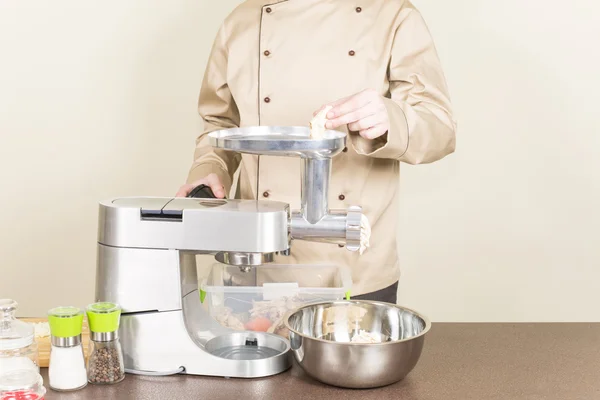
(66, 371)
(105, 362)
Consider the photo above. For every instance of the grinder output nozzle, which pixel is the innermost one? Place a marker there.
(348, 228)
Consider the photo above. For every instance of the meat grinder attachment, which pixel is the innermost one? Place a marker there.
(314, 221)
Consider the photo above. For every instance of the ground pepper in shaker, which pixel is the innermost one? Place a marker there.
(105, 362)
(66, 371)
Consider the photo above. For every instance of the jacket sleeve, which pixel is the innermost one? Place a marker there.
(218, 111)
(422, 128)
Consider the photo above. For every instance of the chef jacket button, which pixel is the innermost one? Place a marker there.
(266, 194)
(345, 149)
(351, 52)
(342, 197)
(358, 9)
(267, 100)
(267, 53)
(268, 10)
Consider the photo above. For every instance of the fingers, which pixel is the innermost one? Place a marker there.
(352, 117)
(374, 131)
(319, 110)
(363, 112)
(184, 190)
(341, 101)
(347, 107)
(211, 181)
(215, 185)
(352, 103)
(367, 122)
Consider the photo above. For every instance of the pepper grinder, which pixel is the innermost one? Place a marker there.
(105, 362)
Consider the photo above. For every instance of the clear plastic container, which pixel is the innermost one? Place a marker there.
(258, 299)
(18, 349)
(24, 384)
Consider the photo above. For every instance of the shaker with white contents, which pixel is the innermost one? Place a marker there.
(66, 371)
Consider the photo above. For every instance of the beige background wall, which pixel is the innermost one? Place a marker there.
(97, 99)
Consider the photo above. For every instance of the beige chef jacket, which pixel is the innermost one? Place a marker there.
(276, 62)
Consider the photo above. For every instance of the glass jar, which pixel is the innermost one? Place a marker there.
(105, 360)
(18, 349)
(23, 384)
(66, 371)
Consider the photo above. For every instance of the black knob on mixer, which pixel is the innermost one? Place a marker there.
(202, 192)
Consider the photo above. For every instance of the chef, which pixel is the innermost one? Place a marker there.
(374, 62)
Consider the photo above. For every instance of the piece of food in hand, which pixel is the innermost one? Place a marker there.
(259, 324)
(317, 124)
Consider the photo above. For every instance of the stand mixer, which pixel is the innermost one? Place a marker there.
(147, 248)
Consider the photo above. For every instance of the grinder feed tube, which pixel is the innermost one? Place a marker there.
(315, 188)
(315, 222)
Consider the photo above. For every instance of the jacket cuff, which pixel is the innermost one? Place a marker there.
(394, 143)
(201, 171)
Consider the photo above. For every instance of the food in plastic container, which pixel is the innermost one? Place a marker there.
(259, 299)
(258, 324)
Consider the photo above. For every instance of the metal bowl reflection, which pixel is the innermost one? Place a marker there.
(321, 338)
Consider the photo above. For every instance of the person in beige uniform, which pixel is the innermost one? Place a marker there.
(277, 63)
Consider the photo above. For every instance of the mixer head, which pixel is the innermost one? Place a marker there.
(243, 260)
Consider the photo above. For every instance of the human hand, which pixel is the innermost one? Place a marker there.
(363, 112)
(211, 181)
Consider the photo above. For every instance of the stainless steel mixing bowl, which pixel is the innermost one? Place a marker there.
(321, 335)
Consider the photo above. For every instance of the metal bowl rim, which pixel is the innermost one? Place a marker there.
(422, 333)
(226, 134)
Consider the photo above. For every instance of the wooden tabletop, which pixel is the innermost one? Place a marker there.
(459, 362)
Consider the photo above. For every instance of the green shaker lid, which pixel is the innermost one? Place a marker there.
(65, 321)
(103, 317)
